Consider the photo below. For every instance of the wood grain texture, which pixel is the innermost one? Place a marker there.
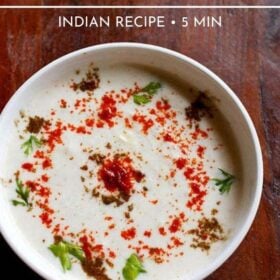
(138, 2)
(245, 53)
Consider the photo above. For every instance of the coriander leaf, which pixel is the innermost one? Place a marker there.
(63, 250)
(17, 202)
(151, 88)
(23, 194)
(22, 191)
(75, 251)
(141, 99)
(132, 268)
(29, 145)
(144, 95)
(60, 251)
(225, 183)
(225, 173)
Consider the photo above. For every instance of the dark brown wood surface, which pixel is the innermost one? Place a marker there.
(245, 53)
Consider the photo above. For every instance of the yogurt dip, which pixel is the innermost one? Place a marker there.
(122, 172)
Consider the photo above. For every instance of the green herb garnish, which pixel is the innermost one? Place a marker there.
(151, 88)
(141, 99)
(144, 95)
(132, 268)
(63, 250)
(225, 183)
(23, 194)
(30, 144)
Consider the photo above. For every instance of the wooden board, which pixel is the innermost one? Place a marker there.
(245, 53)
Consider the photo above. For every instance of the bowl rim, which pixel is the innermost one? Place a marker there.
(231, 247)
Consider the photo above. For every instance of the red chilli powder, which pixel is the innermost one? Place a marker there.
(28, 166)
(118, 174)
(175, 225)
(107, 110)
(128, 234)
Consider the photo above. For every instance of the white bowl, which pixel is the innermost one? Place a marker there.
(185, 68)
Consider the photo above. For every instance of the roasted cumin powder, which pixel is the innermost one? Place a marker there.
(207, 232)
(35, 124)
(95, 268)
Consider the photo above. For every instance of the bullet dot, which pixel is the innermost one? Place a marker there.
(173, 21)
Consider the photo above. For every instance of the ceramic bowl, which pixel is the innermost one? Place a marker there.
(185, 69)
